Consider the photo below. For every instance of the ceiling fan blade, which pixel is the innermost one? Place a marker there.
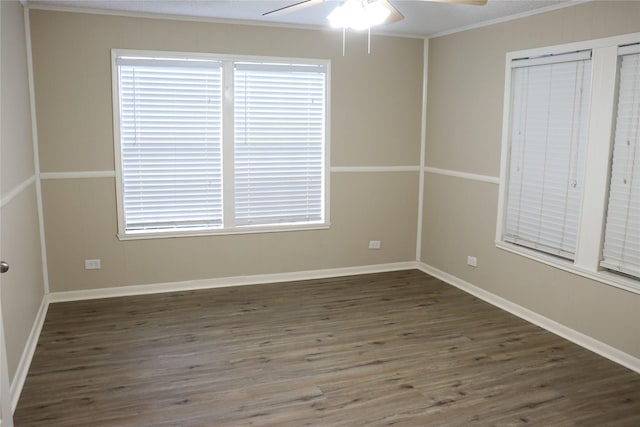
(394, 16)
(293, 7)
(471, 2)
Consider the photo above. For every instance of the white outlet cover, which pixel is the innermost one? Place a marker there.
(92, 264)
(374, 244)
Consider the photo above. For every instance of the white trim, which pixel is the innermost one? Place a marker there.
(77, 175)
(379, 31)
(117, 148)
(629, 49)
(27, 354)
(36, 152)
(599, 147)
(592, 44)
(595, 193)
(602, 276)
(17, 191)
(490, 22)
(504, 148)
(465, 175)
(332, 169)
(582, 55)
(228, 150)
(585, 341)
(170, 17)
(5, 389)
(326, 171)
(223, 282)
(227, 65)
(160, 234)
(423, 145)
(552, 326)
(343, 169)
(5, 395)
(32, 341)
(217, 57)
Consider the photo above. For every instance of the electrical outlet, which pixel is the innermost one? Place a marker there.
(472, 261)
(92, 264)
(374, 244)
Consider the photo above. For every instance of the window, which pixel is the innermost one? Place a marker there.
(210, 144)
(279, 129)
(170, 143)
(548, 145)
(622, 233)
(570, 178)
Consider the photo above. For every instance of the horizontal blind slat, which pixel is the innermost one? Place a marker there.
(279, 143)
(621, 251)
(171, 127)
(547, 154)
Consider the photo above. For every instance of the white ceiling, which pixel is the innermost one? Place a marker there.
(422, 18)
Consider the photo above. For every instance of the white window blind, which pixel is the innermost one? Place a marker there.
(170, 142)
(549, 118)
(621, 250)
(182, 170)
(279, 127)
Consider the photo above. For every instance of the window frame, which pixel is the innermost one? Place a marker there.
(556, 200)
(601, 127)
(228, 62)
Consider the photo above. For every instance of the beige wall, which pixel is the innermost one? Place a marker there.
(22, 287)
(464, 122)
(375, 117)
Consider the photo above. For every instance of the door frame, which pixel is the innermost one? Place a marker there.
(6, 410)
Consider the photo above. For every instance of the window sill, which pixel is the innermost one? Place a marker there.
(203, 232)
(602, 276)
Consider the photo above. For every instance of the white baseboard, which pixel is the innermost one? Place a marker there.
(226, 281)
(563, 331)
(27, 355)
(29, 350)
(572, 335)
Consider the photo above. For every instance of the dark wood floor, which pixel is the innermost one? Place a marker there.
(382, 349)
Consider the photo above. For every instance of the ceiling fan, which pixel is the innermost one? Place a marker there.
(371, 12)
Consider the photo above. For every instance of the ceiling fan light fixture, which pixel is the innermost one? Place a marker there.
(358, 14)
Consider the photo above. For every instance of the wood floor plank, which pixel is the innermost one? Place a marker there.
(397, 348)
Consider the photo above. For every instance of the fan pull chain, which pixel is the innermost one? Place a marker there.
(344, 40)
(344, 34)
